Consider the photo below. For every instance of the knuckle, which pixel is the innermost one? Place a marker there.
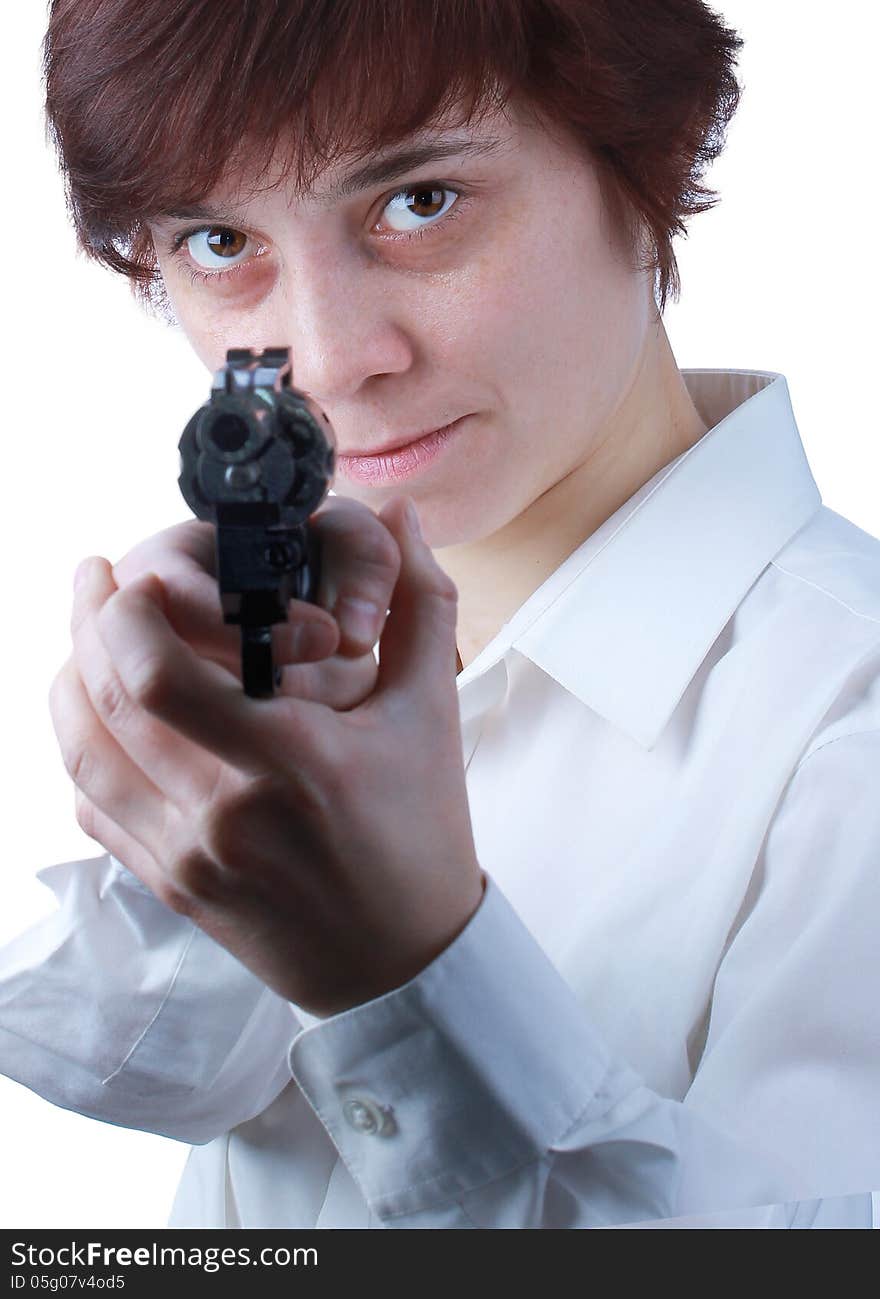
(173, 896)
(76, 754)
(444, 595)
(233, 825)
(149, 683)
(111, 701)
(193, 878)
(445, 588)
(152, 684)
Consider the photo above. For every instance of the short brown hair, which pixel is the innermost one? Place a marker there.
(149, 101)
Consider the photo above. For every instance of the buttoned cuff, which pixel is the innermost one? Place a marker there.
(472, 1069)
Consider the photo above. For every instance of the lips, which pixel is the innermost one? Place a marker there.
(397, 443)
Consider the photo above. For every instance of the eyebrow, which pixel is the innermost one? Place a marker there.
(408, 158)
(376, 172)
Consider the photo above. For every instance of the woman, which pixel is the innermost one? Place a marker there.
(555, 941)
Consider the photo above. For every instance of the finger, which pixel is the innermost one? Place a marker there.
(101, 769)
(104, 830)
(181, 770)
(161, 674)
(184, 558)
(305, 648)
(340, 683)
(194, 610)
(360, 562)
(193, 540)
(417, 649)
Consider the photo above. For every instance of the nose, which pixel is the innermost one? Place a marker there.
(340, 323)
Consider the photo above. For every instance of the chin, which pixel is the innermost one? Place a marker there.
(440, 532)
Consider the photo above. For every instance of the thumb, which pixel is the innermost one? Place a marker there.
(417, 646)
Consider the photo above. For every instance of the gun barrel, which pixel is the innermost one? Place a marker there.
(256, 460)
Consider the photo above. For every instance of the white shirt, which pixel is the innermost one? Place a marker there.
(667, 1002)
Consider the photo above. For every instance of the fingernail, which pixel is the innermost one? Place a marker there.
(412, 519)
(359, 618)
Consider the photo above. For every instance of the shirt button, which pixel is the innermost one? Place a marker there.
(367, 1117)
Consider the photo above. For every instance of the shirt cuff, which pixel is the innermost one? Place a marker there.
(117, 1007)
(475, 1067)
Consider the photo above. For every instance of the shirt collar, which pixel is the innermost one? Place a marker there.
(626, 620)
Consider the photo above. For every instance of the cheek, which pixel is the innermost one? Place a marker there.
(203, 330)
(215, 318)
(562, 323)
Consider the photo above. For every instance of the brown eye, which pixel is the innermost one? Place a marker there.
(225, 242)
(425, 202)
(418, 206)
(212, 247)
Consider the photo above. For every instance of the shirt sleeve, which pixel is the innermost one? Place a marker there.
(479, 1094)
(119, 1008)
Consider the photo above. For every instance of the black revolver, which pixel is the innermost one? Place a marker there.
(257, 460)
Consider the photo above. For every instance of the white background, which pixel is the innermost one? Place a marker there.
(781, 275)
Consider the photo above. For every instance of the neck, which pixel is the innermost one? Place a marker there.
(655, 421)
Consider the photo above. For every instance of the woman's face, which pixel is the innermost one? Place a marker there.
(478, 283)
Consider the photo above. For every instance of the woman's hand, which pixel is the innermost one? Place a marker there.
(329, 850)
(325, 649)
